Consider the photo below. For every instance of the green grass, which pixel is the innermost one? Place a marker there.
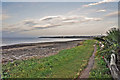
(100, 69)
(66, 64)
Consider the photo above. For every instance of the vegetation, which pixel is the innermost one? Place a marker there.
(66, 64)
(111, 42)
(111, 45)
(70, 62)
(100, 69)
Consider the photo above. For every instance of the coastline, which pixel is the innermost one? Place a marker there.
(16, 41)
(33, 44)
(37, 50)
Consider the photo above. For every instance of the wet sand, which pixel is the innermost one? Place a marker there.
(38, 50)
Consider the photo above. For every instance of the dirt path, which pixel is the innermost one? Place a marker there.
(85, 72)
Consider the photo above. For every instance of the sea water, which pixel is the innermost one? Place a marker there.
(12, 41)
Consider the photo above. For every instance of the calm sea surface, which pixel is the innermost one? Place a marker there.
(11, 41)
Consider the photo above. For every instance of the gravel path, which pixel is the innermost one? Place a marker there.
(85, 72)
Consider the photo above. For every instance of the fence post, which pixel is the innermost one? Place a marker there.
(113, 68)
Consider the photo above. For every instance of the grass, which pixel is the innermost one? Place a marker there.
(100, 69)
(66, 64)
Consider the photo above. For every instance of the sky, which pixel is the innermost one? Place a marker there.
(33, 19)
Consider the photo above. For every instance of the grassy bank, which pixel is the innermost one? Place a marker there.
(66, 64)
(100, 69)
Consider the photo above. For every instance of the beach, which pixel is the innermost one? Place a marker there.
(35, 50)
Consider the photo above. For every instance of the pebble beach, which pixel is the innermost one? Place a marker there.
(35, 50)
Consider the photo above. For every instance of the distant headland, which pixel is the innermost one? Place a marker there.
(70, 36)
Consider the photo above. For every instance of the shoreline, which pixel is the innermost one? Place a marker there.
(33, 44)
(31, 50)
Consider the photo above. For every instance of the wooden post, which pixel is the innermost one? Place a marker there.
(114, 70)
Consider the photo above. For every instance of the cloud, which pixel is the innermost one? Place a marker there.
(29, 22)
(48, 22)
(113, 14)
(97, 3)
(58, 17)
(102, 10)
(4, 16)
(45, 26)
(24, 25)
(92, 19)
(48, 18)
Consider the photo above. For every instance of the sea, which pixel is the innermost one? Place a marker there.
(13, 41)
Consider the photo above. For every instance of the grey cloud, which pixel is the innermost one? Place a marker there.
(30, 22)
(48, 26)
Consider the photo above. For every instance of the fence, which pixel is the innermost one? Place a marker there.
(114, 70)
